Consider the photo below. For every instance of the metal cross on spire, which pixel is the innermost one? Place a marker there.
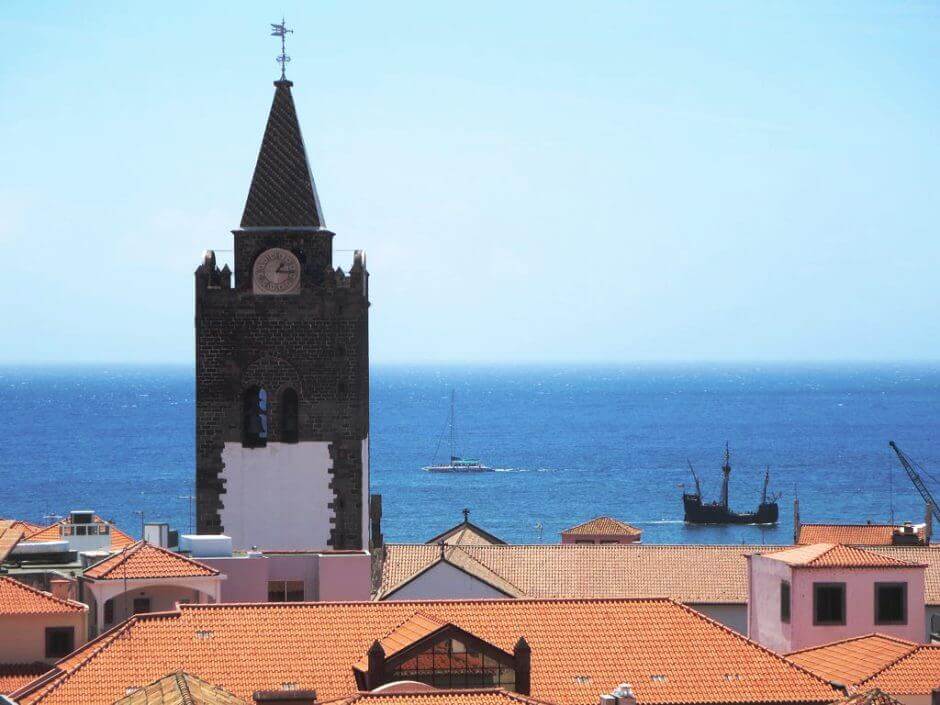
(281, 30)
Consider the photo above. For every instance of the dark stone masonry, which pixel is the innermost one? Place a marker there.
(312, 342)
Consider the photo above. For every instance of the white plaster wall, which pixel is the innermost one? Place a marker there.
(444, 581)
(277, 497)
(732, 616)
(366, 489)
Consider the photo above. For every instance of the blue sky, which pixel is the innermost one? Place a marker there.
(532, 181)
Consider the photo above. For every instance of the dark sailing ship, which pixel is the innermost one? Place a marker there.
(697, 512)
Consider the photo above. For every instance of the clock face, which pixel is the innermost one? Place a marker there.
(276, 271)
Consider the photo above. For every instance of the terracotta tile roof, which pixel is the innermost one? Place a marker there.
(691, 574)
(829, 555)
(870, 697)
(52, 532)
(180, 688)
(604, 525)
(144, 560)
(483, 696)
(467, 533)
(16, 675)
(917, 673)
(852, 534)
(671, 654)
(10, 534)
(17, 598)
(850, 661)
(417, 626)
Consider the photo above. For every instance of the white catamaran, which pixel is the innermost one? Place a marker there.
(457, 464)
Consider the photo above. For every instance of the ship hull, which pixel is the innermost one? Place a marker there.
(714, 513)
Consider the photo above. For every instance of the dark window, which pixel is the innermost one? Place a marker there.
(828, 603)
(450, 663)
(141, 604)
(255, 418)
(890, 603)
(285, 591)
(590, 541)
(60, 641)
(289, 416)
(784, 601)
(109, 612)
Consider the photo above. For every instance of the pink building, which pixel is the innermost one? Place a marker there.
(294, 576)
(601, 530)
(809, 595)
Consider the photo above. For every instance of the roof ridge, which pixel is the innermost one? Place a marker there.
(484, 566)
(859, 637)
(183, 685)
(80, 606)
(761, 647)
(393, 604)
(903, 657)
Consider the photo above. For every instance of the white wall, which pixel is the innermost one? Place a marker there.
(444, 581)
(277, 497)
(733, 616)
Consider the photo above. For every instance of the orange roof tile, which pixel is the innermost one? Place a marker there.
(17, 598)
(467, 533)
(52, 532)
(144, 560)
(671, 654)
(482, 696)
(852, 534)
(10, 534)
(870, 697)
(687, 573)
(917, 673)
(850, 661)
(180, 688)
(829, 555)
(604, 525)
(16, 675)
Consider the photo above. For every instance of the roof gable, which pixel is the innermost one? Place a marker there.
(466, 533)
(603, 525)
(243, 648)
(17, 598)
(828, 555)
(144, 560)
(180, 688)
(851, 661)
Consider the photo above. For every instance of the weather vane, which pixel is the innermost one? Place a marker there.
(281, 30)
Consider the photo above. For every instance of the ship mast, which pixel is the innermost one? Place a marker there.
(726, 470)
(452, 454)
(763, 496)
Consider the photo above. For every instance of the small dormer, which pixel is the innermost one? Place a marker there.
(426, 649)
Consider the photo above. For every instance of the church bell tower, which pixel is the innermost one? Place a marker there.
(282, 367)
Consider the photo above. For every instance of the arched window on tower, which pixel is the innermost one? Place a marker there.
(255, 418)
(290, 425)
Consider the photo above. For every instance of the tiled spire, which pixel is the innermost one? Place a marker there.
(283, 193)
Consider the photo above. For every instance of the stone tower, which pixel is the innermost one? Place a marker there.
(282, 367)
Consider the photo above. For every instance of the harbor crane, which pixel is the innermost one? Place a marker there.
(911, 468)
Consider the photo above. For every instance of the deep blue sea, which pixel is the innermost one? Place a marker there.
(570, 443)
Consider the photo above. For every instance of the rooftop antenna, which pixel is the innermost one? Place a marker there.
(281, 30)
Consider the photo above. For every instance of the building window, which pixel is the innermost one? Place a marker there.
(828, 603)
(784, 601)
(890, 603)
(109, 612)
(141, 604)
(60, 641)
(285, 591)
(450, 663)
(590, 541)
(255, 418)
(290, 411)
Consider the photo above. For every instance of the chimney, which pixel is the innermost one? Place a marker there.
(63, 588)
(624, 694)
(523, 655)
(935, 696)
(376, 675)
(608, 700)
(928, 524)
(286, 696)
